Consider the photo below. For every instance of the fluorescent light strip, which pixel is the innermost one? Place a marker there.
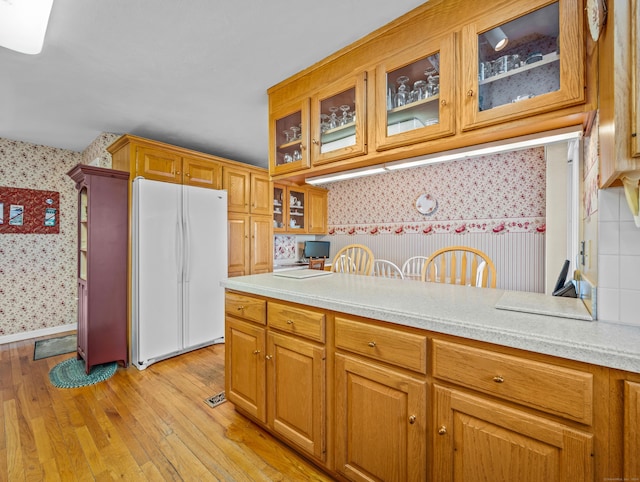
(478, 150)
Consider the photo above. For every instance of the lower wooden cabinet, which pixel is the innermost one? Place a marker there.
(477, 439)
(245, 366)
(296, 391)
(381, 420)
(631, 430)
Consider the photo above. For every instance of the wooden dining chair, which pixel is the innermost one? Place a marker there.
(353, 259)
(386, 269)
(460, 265)
(317, 263)
(412, 267)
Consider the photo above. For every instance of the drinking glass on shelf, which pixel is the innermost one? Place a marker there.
(433, 85)
(288, 158)
(297, 155)
(419, 90)
(295, 131)
(402, 96)
(324, 122)
(391, 96)
(345, 116)
(333, 118)
(287, 135)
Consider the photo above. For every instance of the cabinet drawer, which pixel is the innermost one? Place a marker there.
(407, 350)
(557, 390)
(247, 307)
(297, 321)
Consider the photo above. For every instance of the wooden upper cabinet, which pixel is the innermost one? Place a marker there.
(415, 94)
(317, 211)
(261, 194)
(338, 120)
(201, 173)
(289, 138)
(158, 165)
(540, 69)
(238, 186)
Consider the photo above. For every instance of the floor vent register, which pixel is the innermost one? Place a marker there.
(216, 400)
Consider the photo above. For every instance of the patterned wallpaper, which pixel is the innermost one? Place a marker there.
(38, 271)
(496, 194)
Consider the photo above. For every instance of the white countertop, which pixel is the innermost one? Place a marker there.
(455, 310)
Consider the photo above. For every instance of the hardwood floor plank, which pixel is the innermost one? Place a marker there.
(149, 425)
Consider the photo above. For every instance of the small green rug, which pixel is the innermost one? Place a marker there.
(55, 346)
(70, 373)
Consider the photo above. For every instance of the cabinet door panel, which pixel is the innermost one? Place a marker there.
(238, 244)
(159, 165)
(317, 211)
(380, 423)
(261, 244)
(296, 374)
(428, 118)
(481, 440)
(202, 173)
(238, 186)
(261, 192)
(631, 431)
(521, 82)
(244, 357)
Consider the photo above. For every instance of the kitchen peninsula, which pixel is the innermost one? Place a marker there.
(350, 369)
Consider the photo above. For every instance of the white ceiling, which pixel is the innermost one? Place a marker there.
(193, 73)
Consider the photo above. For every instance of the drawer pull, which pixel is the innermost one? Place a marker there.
(240, 308)
(442, 430)
(498, 379)
(372, 344)
(268, 357)
(412, 419)
(256, 352)
(289, 322)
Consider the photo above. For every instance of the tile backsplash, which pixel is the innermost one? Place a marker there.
(618, 260)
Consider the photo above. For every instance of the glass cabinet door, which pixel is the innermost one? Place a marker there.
(289, 138)
(524, 65)
(338, 123)
(415, 94)
(297, 210)
(279, 207)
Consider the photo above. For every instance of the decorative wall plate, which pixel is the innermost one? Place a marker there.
(596, 17)
(426, 205)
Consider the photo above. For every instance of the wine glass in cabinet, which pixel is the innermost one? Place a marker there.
(415, 94)
(525, 64)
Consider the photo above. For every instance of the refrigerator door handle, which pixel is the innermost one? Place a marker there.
(187, 250)
(179, 250)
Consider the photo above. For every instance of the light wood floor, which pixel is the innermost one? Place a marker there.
(138, 425)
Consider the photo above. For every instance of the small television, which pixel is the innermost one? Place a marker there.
(316, 249)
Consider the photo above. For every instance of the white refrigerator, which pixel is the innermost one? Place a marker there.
(179, 257)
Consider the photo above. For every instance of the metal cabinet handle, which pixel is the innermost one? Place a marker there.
(412, 419)
(315, 141)
(443, 102)
(289, 322)
(240, 308)
(268, 357)
(187, 174)
(498, 379)
(442, 430)
(256, 352)
(469, 93)
(372, 344)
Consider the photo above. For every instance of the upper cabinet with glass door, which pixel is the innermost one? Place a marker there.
(289, 138)
(338, 121)
(522, 64)
(415, 94)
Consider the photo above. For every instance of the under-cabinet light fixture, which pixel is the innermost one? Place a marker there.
(518, 143)
(23, 24)
(341, 176)
(497, 38)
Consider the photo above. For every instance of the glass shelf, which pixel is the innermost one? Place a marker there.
(546, 59)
